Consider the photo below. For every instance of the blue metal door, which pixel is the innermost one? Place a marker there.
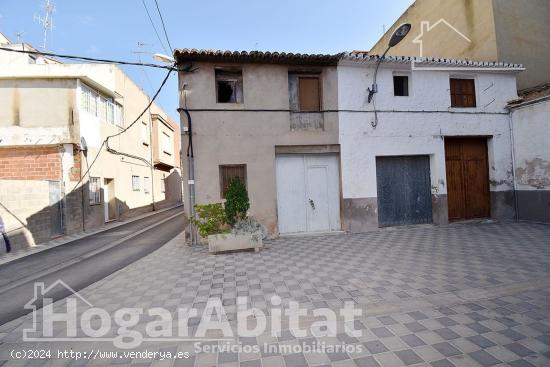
(403, 189)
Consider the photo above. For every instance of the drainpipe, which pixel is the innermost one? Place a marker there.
(151, 156)
(513, 153)
(191, 178)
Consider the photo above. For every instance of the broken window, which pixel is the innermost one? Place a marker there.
(229, 86)
(400, 85)
(309, 93)
(463, 93)
(228, 172)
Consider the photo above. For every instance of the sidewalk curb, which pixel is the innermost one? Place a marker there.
(80, 258)
(43, 246)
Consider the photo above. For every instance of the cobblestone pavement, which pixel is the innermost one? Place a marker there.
(462, 295)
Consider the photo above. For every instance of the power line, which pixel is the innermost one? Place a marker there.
(164, 27)
(84, 58)
(155, 28)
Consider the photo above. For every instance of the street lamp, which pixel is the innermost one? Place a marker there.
(163, 58)
(396, 37)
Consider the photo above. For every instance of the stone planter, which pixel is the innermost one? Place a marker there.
(229, 241)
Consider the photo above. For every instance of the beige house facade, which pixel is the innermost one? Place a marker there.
(267, 119)
(54, 119)
(487, 30)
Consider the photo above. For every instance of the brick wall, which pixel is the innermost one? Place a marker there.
(30, 163)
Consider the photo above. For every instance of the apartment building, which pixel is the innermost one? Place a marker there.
(54, 119)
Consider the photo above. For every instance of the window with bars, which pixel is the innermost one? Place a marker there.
(135, 183)
(463, 92)
(228, 172)
(94, 190)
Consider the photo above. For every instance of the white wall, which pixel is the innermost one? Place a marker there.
(404, 129)
(531, 143)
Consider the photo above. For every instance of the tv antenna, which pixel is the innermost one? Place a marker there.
(47, 20)
(19, 36)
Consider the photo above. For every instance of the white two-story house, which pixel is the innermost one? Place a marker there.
(438, 147)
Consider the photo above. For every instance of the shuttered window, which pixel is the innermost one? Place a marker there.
(308, 89)
(228, 172)
(463, 93)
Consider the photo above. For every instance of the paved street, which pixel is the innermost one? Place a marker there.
(83, 261)
(463, 295)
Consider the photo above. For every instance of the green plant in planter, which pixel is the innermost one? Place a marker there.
(210, 219)
(236, 201)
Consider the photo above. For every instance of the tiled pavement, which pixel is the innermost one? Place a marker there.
(462, 295)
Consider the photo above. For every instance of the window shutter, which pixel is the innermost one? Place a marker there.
(463, 93)
(309, 94)
(228, 172)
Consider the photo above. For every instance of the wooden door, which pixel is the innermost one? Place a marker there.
(467, 178)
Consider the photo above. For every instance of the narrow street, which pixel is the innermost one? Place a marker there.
(83, 262)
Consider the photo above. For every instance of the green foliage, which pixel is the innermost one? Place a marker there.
(210, 219)
(237, 202)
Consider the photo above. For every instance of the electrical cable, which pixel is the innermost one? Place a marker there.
(164, 27)
(154, 28)
(84, 58)
(106, 141)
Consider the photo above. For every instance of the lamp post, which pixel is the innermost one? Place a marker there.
(190, 156)
(397, 36)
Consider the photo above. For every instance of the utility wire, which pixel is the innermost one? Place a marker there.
(83, 58)
(164, 27)
(154, 28)
(106, 141)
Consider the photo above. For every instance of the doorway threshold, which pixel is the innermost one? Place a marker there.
(307, 234)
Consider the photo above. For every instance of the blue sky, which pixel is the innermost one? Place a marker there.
(112, 29)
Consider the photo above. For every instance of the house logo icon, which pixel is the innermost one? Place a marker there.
(425, 27)
(43, 296)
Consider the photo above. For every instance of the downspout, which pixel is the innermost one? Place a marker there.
(62, 204)
(151, 157)
(191, 177)
(513, 153)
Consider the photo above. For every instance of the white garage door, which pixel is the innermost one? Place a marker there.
(308, 193)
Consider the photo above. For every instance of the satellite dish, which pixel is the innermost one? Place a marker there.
(399, 34)
(83, 146)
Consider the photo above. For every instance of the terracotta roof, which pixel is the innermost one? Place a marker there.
(526, 96)
(425, 61)
(192, 54)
